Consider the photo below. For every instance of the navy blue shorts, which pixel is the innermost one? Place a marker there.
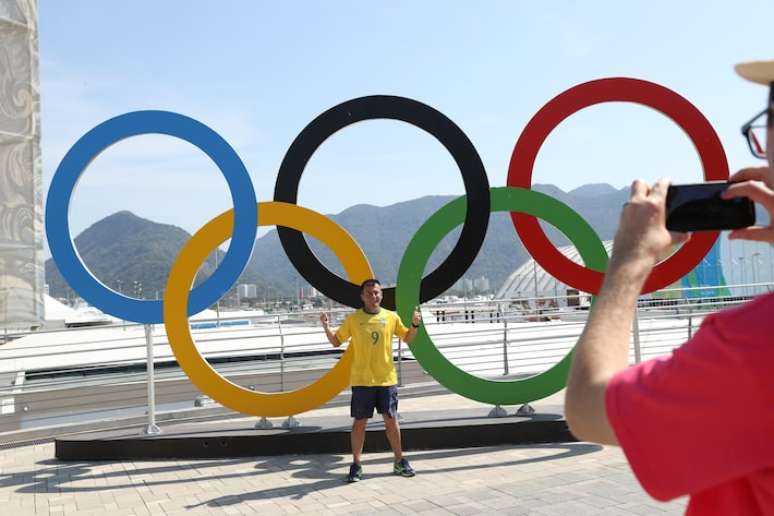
(366, 399)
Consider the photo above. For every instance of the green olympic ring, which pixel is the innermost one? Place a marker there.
(412, 265)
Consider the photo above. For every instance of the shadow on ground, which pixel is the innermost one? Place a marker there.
(53, 476)
(327, 479)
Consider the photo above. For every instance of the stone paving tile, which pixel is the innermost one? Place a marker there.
(576, 479)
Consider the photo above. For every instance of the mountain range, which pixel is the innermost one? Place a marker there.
(127, 252)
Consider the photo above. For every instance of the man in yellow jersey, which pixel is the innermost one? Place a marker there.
(373, 378)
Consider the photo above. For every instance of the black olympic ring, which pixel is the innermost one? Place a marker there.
(419, 115)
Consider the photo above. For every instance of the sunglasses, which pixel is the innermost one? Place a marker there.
(754, 132)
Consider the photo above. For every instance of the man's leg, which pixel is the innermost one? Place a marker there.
(387, 406)
(392, 429)
(389, 410)
(361, 409)
(357, 438)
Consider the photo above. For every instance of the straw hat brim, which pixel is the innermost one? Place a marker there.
(761, 72)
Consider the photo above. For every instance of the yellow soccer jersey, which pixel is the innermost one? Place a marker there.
(371, 336)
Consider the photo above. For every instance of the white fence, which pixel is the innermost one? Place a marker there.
(55, 382)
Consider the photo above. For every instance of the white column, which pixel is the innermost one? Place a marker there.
(21, 205)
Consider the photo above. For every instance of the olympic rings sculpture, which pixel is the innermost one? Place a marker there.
(471, 210)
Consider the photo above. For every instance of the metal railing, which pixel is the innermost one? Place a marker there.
(60, 380)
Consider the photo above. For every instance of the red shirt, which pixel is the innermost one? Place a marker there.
(701, 421)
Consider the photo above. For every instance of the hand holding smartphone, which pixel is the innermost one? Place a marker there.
(698, 207)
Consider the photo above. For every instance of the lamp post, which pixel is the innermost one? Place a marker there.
(744, 259)
(217, 303)
(534, 278)
(465, 299)
(755, 256)
(741, 266)
(771, 269)
(266, 296)
(120, 291)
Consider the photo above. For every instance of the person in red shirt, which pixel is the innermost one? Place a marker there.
(700, 421)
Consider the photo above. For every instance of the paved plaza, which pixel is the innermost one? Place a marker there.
(564, 479)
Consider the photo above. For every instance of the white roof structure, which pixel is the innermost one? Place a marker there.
(57, 314)
(55, 310)
(531, 280)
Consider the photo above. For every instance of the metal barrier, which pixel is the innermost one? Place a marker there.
(68, 379)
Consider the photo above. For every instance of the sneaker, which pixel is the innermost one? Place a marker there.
(355, 473)
(403, 468)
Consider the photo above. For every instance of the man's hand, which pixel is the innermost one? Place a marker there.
(416, 319)
(329, 334)
(758, 185)
(642, 235)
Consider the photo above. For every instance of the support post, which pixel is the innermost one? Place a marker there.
(152, 428)
(636, 335)
(505, 347)
(217, 303)
(527, 410)
(290, 422)
(282, 355)
(264, 424)
(498, 411)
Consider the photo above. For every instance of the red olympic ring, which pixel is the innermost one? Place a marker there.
(664, 100)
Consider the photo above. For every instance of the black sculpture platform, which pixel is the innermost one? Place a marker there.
(425, 430)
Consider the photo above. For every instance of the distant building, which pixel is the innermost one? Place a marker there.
(463, 286)
(530, 280)
(247, 291)
(481, 284)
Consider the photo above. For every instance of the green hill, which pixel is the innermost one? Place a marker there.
(127, 249)
(127, 253)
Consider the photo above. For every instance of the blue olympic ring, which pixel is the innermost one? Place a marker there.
(88, 147)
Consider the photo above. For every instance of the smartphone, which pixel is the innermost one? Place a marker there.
(698, 207)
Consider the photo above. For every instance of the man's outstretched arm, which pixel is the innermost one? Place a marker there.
(329, 333)
(603, 348)
(416, 320)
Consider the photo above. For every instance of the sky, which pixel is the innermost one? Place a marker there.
(258, 72)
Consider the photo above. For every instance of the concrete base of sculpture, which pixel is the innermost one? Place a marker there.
(425, 430)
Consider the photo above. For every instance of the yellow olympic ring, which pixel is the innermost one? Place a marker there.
(181, 278)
